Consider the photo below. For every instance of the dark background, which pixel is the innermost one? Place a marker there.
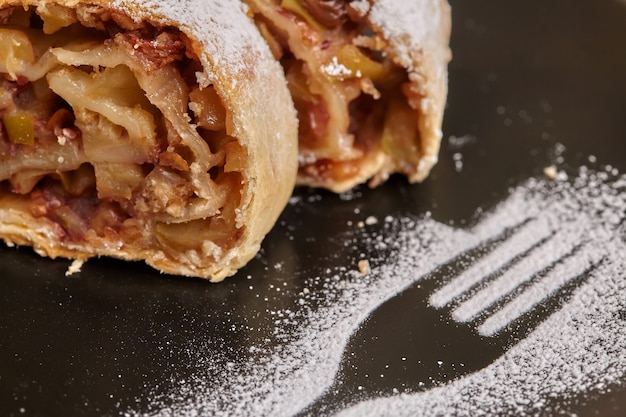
(526, 77)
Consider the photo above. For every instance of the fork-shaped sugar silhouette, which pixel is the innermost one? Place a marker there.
(522, 259)
(564, 254)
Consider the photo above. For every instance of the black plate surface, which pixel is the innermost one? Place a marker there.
(532, 84)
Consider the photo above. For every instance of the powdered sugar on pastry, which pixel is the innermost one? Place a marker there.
(227, 18)
(412, 26)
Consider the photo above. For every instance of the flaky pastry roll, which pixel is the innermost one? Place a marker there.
(143, 130)
(369, 81)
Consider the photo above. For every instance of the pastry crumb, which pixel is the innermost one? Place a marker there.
(371, 220)
(550, 172)
(74, 267)
(364, 267)
(554, 174)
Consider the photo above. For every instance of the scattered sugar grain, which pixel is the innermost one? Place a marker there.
(459, 142)
(458, 161)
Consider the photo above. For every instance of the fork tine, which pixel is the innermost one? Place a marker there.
(588, 256)
(556, 248)
(524, 239)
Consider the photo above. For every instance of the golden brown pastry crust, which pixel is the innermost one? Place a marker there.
(251, 85)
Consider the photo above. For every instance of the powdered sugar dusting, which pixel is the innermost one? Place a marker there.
(226, 34)
(411, 26)
(579, 349)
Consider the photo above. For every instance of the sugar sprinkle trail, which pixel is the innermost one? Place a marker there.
(579, 349)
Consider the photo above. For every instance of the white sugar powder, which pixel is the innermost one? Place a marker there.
(579, 349)
(228, 37)
(417, 25)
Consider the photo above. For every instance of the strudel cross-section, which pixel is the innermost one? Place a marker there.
(148, 130)
(369, 82)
